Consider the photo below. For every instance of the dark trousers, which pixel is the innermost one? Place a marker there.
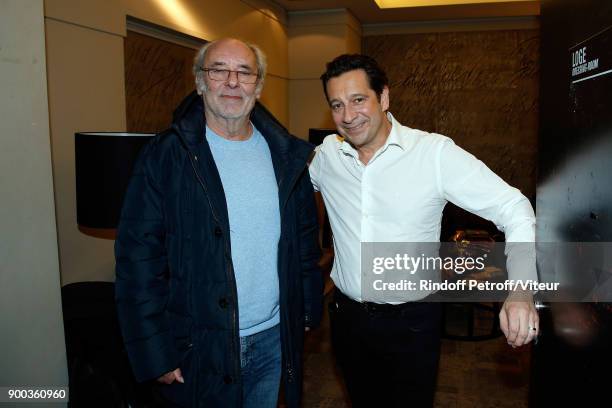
(388, 354)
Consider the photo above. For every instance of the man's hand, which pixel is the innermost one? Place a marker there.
(519, 319)
(172, 376)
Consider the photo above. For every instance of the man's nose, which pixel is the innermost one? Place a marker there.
(348, 115)
(232, 79)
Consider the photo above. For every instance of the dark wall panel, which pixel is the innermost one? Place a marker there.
(575, 166)
(574, 203)
(157, 77)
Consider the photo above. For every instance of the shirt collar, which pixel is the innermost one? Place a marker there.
(394, 137)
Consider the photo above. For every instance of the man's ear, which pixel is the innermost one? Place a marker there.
(258, 90)
(384, 99)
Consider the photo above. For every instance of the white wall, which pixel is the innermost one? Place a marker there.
(315, 38)
(32, 350)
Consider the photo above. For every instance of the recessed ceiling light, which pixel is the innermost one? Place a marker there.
(383, 4)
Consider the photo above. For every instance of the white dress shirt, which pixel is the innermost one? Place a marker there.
(400, 194)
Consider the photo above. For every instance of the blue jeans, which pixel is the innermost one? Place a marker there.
(260, 364)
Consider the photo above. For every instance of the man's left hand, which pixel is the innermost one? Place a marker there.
(519, 319)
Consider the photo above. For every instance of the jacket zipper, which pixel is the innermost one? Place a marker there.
(192, 158)
(229, 269)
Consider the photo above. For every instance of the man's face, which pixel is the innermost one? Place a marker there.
(358, 113)
(230, 99)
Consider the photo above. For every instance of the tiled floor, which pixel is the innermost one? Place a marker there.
(472, 374)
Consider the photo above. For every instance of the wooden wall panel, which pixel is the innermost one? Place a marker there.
(479, 88)
(157, 77)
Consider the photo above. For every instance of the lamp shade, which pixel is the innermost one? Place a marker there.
(104, 162)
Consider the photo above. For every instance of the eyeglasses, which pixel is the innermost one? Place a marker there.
(224, 74)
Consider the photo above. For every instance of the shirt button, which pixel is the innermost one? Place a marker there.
(218, 231)
(228, 379)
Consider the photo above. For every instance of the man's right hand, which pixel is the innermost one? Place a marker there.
(172, 376)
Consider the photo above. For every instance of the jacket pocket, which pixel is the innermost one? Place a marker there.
(181, 330)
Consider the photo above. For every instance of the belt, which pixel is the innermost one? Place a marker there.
(377, 308)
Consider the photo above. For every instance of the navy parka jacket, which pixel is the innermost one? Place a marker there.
(175, 286)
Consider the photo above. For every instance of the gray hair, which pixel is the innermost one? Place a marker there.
(198, 65)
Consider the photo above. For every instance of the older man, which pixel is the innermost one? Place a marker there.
(216, 252)
(384, 182)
